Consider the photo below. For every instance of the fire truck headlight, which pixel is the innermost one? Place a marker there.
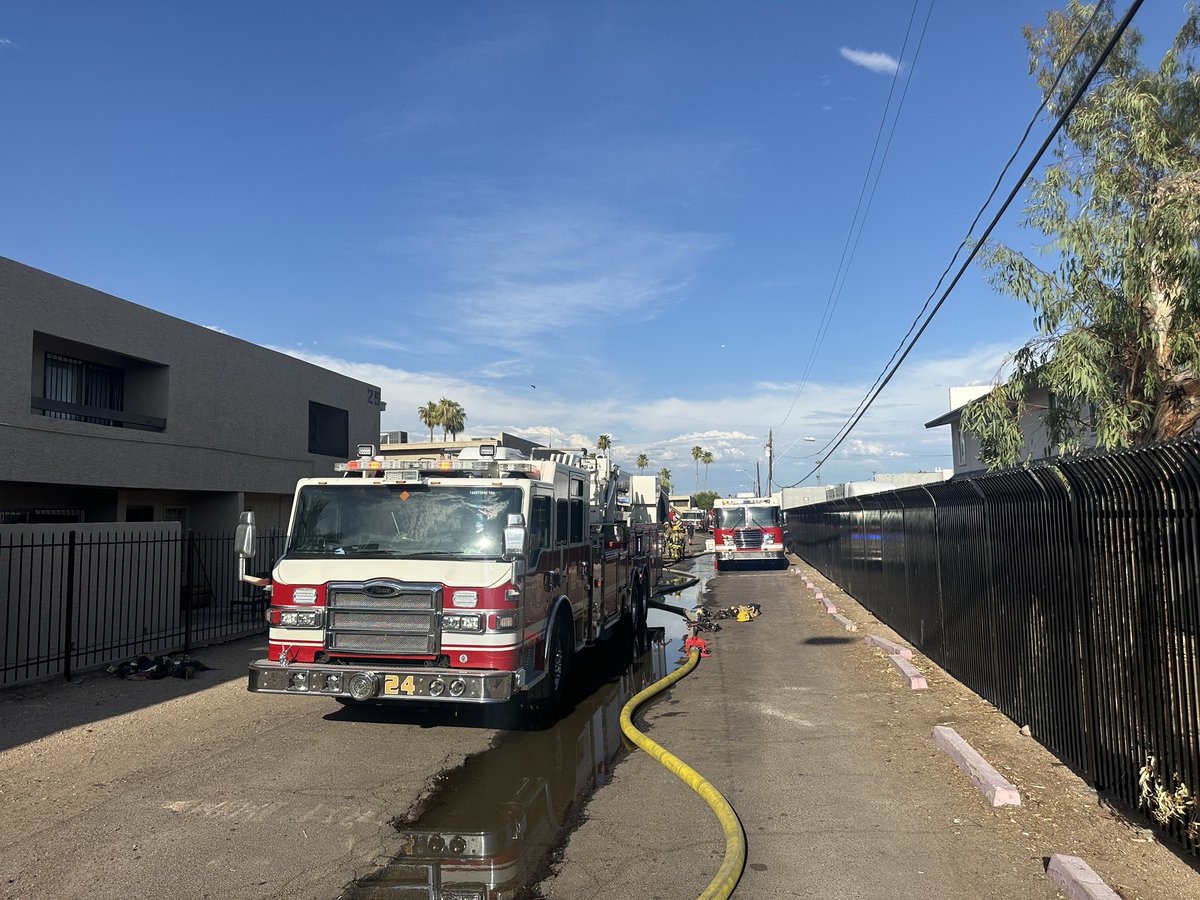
(300, 618)
(470, 622)
(768, 539)
(457, 845)
(363, 685)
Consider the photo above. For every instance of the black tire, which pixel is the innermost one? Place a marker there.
(560, 653)
(634, 621)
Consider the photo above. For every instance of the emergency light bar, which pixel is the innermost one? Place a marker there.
(404, 469)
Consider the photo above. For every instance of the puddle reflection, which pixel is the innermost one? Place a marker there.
(491, 826)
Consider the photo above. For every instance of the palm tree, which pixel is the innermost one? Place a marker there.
(707, 459)
(452, 417)
(664, 478)
(697, 454)
(604, 442)
(642, 461)
(430, 416)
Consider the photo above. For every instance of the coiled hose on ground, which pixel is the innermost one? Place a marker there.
(730, 872)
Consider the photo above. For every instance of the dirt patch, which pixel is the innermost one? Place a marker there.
(1059, 812)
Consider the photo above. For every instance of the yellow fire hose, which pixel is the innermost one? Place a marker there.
(730, 872)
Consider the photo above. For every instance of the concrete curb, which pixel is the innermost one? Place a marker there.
(998, 790)
(887, 646)
(844, 622)
(1077, 879)
(829, 607)
(916, 681)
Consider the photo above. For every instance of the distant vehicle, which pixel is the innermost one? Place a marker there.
(748, 530)
(697, 518)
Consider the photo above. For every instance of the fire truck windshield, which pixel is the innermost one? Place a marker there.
(402, 521)
(748, 517)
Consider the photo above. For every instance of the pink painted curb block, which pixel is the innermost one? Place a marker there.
(889, 647)
(829, 607)
(991, 783)
(1077, 879)
(916, 681)
(819, 595)
(844, 622)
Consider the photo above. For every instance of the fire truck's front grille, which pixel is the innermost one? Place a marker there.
(383, 617)
(354, 620)
(380, 643)
(748, 538)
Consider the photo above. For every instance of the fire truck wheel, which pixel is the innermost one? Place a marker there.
(559, 653)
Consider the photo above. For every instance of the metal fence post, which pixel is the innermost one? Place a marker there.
(69, 606)
(189, 548)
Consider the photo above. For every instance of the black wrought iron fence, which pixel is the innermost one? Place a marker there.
(1068, 595)
(78, 597)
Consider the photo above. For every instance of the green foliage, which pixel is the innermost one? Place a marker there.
(448, 415)
(1117, 302)
(707, 458)
(642, 461)
(604, 442)
(697, 455)
(704, 499)
(664, 479)
(428, 414)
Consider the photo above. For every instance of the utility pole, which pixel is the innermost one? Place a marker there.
(758, 478)
(770, 459)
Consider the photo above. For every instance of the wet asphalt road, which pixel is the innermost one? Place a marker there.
(191, 789)
(197, 789)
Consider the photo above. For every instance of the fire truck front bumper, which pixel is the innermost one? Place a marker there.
(748, 555)
(385, 682)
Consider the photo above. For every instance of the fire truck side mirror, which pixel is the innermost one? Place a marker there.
(244, 540)
(514, 537)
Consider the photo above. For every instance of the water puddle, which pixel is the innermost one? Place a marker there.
(490, 828)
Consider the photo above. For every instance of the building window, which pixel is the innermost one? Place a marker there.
(83, 384)
(80, 383)
(328, 430)
(960, 448)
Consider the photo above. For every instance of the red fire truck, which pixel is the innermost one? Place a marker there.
(468, 579)
(748, 530)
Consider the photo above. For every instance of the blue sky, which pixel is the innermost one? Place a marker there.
(571, 217)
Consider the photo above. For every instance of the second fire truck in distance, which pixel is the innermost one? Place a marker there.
(469, 579)
(748, 530)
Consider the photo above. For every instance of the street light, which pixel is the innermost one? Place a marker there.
(754, 480)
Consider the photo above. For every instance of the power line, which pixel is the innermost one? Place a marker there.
(1058, 125)
(847, 257)
(986, 203)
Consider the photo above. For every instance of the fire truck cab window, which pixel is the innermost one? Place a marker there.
(576, 521)
(561, 524)
(402, 521)
(731, 517)
(762, 516)
(539, 529)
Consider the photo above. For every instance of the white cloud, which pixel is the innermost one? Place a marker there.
(216, 328)
(734, 425)
(551, 267)
(874, 61)
(5, 42)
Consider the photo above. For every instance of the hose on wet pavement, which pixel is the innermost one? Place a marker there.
(734, 862)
